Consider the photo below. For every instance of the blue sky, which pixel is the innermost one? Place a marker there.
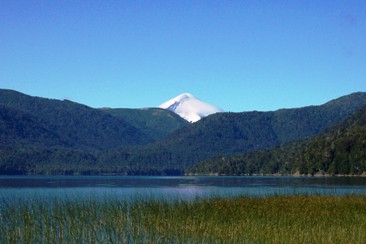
(238, 55)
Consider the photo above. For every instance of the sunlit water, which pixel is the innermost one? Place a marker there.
(185, 187)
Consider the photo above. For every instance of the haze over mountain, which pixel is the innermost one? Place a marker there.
(189, 107)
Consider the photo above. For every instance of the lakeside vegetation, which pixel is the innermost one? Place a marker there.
(271, 219)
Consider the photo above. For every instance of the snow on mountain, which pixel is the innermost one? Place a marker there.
(189, 107)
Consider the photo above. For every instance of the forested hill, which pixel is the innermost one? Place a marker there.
(48, 136)
(19, 129)
(233, 133)
(73, 124)
(341, 149)
(155, 122)
(299, 123)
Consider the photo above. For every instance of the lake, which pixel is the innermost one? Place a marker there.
(183, 187)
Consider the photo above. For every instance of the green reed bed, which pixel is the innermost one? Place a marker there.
(275, 219)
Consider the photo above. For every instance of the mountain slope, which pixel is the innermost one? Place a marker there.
(189, 107)
(75, 124)
(341, 149)
(155, 122)
(20, 129)
(47, 136)
(299, 123)
(233, 133)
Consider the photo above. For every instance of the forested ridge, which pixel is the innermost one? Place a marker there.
(77, 125)
(155, 122)
(225, 134)
(49, 136)
(340, 150)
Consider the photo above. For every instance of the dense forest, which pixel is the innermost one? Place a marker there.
(155, 122)
(340, 150)
(74, 124)
(49, 136)
(225, 134)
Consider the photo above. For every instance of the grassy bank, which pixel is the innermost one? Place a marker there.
(276, 219)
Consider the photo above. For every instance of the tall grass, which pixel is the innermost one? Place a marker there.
(274, 219)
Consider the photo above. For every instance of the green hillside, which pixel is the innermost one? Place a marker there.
(299, 123)
(74, 124)
(155, 122)
(339, 150)
(225, 134)
(20, 129)
(48, 136)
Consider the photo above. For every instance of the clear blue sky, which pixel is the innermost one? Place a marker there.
(238, 55)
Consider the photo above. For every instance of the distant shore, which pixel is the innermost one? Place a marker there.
(296, 174)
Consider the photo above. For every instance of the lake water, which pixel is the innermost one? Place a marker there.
(185, 187)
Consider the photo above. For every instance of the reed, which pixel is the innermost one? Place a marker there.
(273, 219)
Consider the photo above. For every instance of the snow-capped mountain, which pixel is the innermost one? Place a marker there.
(189, 107)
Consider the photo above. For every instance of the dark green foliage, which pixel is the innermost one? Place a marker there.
(225, 134)
(300, 123)
(155, 122)
(18, 129)
(339, 150)
(52, 161)
(77, 125)
(213, 135)
(47, 136)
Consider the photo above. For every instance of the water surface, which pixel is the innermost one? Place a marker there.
(184, 187)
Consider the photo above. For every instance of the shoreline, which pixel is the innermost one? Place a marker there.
(281, 175)
(187, 174)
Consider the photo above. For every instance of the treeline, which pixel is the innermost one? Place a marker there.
(66, 161)
(341, 150)
(154, 122)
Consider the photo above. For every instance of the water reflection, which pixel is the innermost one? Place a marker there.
(174, 187)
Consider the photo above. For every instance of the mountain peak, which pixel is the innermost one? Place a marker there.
(189, 107)
(185, 95)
